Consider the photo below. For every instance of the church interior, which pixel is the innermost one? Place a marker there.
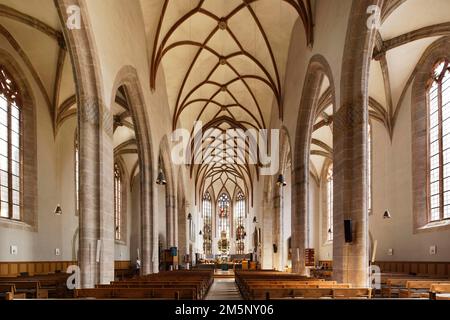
(225, 149)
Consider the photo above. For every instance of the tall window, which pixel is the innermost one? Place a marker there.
(10, 148)
(439, 143)
(240, 228)
(118, 202)
(369, 169)
(224, 213)
(330, 203)
(207, 224)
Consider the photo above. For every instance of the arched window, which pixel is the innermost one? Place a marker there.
(369, 169)
(117, 202)
(10, 148)
(224, 213)
(239, 213)
(330, 203)
(439, 143)
(207, 224)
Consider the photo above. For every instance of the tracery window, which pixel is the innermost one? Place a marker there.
(439, 143)
(10, 148)
(207, 224)
(224, 213)
(240, 223)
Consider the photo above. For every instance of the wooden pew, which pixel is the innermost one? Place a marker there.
(32, 289)
(49, 285)
(200, 294)
(393, 285)
(247, 286)
(182, 284)
(8, 292)
(440, 291)
(137, 293)
(419, 288)
(276, 285)
(261, 293)
(320, 293)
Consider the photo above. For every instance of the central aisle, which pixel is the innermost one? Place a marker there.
(224, 289)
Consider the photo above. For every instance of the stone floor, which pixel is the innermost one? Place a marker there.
(224, 289)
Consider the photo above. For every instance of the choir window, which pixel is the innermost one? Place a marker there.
(207, 224)
(240, 223)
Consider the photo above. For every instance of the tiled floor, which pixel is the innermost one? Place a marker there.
(224, 289)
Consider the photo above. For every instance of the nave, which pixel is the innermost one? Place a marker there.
(224, 149)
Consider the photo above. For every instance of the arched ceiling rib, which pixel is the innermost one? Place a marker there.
(33, 30)
(408, 28)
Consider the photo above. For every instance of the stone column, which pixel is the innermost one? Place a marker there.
(300, 203)
(106, 199)
(182, 235)
(351, 260)
(175, 222)
(266, 220)
(95, 131)
(147, 223)
(155, 235)
(276, 226)
(96, 249)
(170, 218)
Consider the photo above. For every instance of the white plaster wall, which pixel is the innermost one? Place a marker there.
(65, 155)
(38, 245)
(392, 189)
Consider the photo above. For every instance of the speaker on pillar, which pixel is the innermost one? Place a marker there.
(348, 231)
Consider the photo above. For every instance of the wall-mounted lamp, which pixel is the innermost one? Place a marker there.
(387, 215)
(254, 220)
(58, 210)
(161, 178)
(189, 217)
(329, 231)
(200, 233)
(281, 182)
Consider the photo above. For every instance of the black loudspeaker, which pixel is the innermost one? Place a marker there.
(275, 248)
(348, 230)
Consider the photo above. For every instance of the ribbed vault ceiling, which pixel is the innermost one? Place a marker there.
(224, 63)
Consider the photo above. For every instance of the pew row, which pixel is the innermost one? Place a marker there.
(419, 288)
(440, 291)
(9, 292)
(137, 293)
(277, 285)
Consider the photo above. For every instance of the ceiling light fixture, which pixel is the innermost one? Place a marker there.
(161, 178)
(58, 210)
(281, 182)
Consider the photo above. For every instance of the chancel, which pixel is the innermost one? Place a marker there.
(224, 150)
